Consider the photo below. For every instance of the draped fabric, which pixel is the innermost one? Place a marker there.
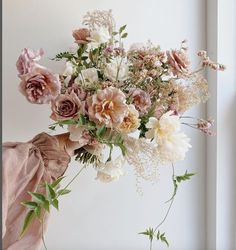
(25, 166)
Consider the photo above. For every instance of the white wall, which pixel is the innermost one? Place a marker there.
(96, 215)
(221, 171)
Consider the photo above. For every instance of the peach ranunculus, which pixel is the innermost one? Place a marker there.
(141, 100)
(178, 61)
(66, 106)
(107, 106)
(81, 36)
(27, 60)
(40, 86)
(131, 121)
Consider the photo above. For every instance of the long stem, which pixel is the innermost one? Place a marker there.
(171, 203)
(72, 180)
(150, 244)
(44, 243)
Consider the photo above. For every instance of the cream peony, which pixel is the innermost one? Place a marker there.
(172, 145)
(99, 36)
(116, 71)
(111, 170)
(107, 106)
(174, 148)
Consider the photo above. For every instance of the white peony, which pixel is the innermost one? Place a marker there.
(172, 145)
(87, 75)
(99, 36)
(69, 69)
(116, 71)
(111, 170)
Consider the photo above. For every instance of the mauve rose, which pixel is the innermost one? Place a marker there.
(141, 100)
(66, 106)
(81, 36)
(40, 86)
(78, 91)
(178, 61)
(27, 60)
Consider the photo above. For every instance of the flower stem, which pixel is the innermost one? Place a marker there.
(44, 243)
(171, 203)
(72, 180)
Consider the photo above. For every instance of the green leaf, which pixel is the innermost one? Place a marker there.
(114, 33)
(123, 149)
(30, 204)
(55, 203)
(184, 177)
(57, 182)
(124, 35)
(163, 239)
(82, 119)
(46, 205)
(29, 217)
(37, 212)
(64, 55)
(101, 131)
(122, 28)
(38, 197)
(50, 192)
(149, 232)
(63, 191)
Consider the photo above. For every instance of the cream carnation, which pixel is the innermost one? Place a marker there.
(111, 170)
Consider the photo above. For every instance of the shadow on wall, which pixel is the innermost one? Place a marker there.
(231, 138)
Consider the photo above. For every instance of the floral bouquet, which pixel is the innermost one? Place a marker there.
(133, 100)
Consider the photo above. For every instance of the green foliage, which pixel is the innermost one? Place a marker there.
(41, 202)
(64, 55)
(122, 28)
(177, 179)
(151, 233)
(83, 156)
(28, 219)
(162, 237)
(184, 177)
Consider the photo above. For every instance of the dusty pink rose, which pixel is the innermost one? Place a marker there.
(81, 36)
(141, 100)
(40, 86)
(78, 91)
(178, 61)
(66, 106)
(27, 60)
(108, 107)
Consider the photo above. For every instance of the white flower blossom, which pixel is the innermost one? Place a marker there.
(98, 36)
(89, 75)
(111, 170)
(69, 69)
(172, 145)
(116, 71)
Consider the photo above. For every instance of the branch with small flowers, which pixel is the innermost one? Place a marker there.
(110, 96)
